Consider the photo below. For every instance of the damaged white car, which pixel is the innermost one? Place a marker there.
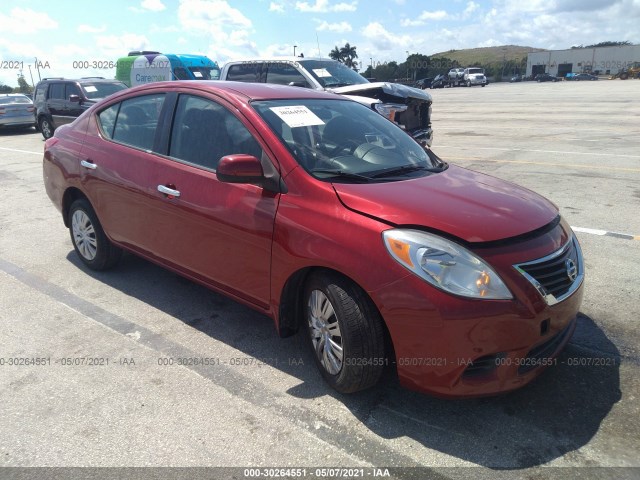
(408, 107)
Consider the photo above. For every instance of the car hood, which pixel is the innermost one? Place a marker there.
(466, 204)
(387, 92)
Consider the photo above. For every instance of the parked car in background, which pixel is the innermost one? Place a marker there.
(318, 212)
(16, 110)
(515, 78)
(584, 76)
(440, 81)
(423, 83)
(58, 101)
(455, 77)
(408, 107)
(545, 77)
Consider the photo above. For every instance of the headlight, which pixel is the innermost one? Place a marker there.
(389, 110)
(445, 264)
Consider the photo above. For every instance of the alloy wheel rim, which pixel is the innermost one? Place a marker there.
(84, 235)
(325, 332)
(46, 129)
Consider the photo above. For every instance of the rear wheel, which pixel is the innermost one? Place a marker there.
(345, 332)
(46, 128)
(88, 238)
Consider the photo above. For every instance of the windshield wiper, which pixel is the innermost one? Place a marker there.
(341, 174)
(390, 172)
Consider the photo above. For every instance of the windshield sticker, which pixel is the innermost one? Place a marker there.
(321, 72)
(90, 88)
(297, 116)
(197, 74)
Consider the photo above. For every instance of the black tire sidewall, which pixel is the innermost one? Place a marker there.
(106, 254)
(354, 374)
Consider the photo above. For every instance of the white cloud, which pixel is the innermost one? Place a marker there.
(114, 46)
(382, 39)
(153, 5)
(323, 6)
(334, 27)
(471, 7)
(228, 29)
(424, 17)
(276, 7)
(208, 15)
(26, 21)
(89, 29)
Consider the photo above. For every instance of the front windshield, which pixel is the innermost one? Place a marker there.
(475, 70)
(344, 141)
(98, 90)
(330, 73)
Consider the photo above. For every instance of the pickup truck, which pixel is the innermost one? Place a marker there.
(409, 108)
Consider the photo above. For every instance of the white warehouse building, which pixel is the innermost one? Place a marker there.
(597, 60)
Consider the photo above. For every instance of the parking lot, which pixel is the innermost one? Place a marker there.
(260, 402)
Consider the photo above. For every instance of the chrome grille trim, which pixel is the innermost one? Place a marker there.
(545, 283)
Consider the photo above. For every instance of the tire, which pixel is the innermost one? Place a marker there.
(345, 333)
(46, 128)
(484, 85)
(468, 84)
(89, 240)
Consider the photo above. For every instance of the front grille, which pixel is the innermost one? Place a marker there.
(558, 275)
(537, 355)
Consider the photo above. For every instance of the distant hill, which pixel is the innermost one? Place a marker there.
(487, 55)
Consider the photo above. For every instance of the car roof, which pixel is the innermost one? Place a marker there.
(250, 91)
(13, 95)
(282, 59)
(81, 80)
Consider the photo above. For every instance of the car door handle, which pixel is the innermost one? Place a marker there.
(88, 164)
(170, 192)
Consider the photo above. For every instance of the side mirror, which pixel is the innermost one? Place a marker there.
(240, 168)
(74, 98)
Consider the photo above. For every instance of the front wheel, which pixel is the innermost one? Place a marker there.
(468, 84)
(89, 240)
(345, 332)
(46, 128)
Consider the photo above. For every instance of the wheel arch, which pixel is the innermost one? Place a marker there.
(71, 194)
(291, 309)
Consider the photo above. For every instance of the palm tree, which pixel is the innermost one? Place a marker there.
(335, 54)
(349, 54)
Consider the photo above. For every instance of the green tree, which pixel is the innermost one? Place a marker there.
(349, 54)
(23, 86)
(5, 89)
(335, 54)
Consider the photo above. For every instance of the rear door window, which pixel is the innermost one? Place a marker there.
(56, 91)
(137, 121)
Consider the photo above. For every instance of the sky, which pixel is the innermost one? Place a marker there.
(66, 34)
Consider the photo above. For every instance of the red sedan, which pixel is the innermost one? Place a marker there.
(324, 215)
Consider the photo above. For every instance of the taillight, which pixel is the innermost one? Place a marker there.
(1, 111)
(30, 109)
